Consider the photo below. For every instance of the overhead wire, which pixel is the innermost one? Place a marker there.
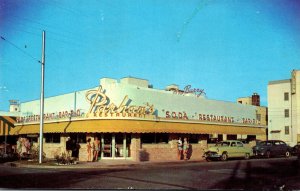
(24, 52)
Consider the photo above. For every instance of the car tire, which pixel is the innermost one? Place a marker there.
(247, 156)
(224, 157)
(287, 154)
(207, 159)
(268, 154)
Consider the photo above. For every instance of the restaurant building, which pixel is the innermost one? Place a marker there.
(135, 121)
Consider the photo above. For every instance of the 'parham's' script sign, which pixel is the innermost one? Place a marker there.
(100, 106)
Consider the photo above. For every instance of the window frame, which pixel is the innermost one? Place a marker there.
(286, 130)
(52, 138)
(286, 113)
(286, 96)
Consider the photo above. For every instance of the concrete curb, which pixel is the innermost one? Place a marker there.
(100, 165)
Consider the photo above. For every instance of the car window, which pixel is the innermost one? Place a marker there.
(268, 143)
(282, 143)
(262, 143)
(233, 144)
(223, 144)
(239, 144)
(276, 143)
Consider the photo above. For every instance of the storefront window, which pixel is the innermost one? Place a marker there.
(33, 138)
(78, 137)
(193, 138)
(155, 138)
(52, 138)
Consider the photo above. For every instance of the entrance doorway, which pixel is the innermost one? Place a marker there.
(115, 145)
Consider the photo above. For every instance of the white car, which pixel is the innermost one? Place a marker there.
(228, 149)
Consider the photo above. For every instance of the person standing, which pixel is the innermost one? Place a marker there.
(24, 149)
(179, 148)
(89, 150)
(19, 147)
(69, 147)
(27, 145)
(96, 147)
(185, 148)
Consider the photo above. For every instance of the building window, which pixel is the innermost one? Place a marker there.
(155, 138)
(78, 137)
(286, 113)
(52, 138)
(286, 96)
(258, 117)
(194, 138)
(287, 130)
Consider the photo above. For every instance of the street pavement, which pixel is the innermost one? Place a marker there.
(254, 174)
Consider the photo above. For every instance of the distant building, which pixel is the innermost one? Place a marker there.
(284, 110)
(252, 100)
(261, 111)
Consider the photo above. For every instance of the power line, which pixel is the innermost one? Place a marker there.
(20, 49)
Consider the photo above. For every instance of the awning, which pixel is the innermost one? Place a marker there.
(15, 130)
(6, 124)
(139, 126)
(48, 128)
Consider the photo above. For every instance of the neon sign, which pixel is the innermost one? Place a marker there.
(101, 106)
(51, 116)
(188, 90)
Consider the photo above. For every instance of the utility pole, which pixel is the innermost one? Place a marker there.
(42, 100)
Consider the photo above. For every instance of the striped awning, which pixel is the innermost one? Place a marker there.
(139, 126)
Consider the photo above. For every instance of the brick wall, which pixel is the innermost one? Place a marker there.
(168, 152)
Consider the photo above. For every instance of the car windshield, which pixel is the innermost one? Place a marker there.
(223, 144)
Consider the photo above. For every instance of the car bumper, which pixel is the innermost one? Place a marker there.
(211, 155)
(259, 153)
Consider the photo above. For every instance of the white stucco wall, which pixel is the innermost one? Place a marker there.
(276, 107)
(162, 100)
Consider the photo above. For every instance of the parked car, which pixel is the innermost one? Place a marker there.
(228, 149)
(272, 148)
(296, 149)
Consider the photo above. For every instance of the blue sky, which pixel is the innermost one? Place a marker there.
(229, 48)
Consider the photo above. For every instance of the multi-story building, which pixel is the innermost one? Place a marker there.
(284, 109)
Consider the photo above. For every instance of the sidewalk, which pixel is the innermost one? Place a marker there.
(105, 163)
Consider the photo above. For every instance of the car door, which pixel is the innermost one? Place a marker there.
(276, 148)
(283, 147)
(241, 150)
(233, 149)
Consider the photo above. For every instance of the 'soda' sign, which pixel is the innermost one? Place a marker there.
(100, 106)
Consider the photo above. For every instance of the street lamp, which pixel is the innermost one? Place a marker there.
(42, 100)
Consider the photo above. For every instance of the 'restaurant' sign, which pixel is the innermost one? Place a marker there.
(209, 117)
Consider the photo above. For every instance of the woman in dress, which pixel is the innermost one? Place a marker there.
(185, 148)
(89, 150)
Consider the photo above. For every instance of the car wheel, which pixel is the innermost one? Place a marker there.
(287, 154)
(224, 157)
(268, 154)
(247, 156)
(207, 159)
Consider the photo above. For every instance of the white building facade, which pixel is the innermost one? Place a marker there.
(284, 109)
(133, 120)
